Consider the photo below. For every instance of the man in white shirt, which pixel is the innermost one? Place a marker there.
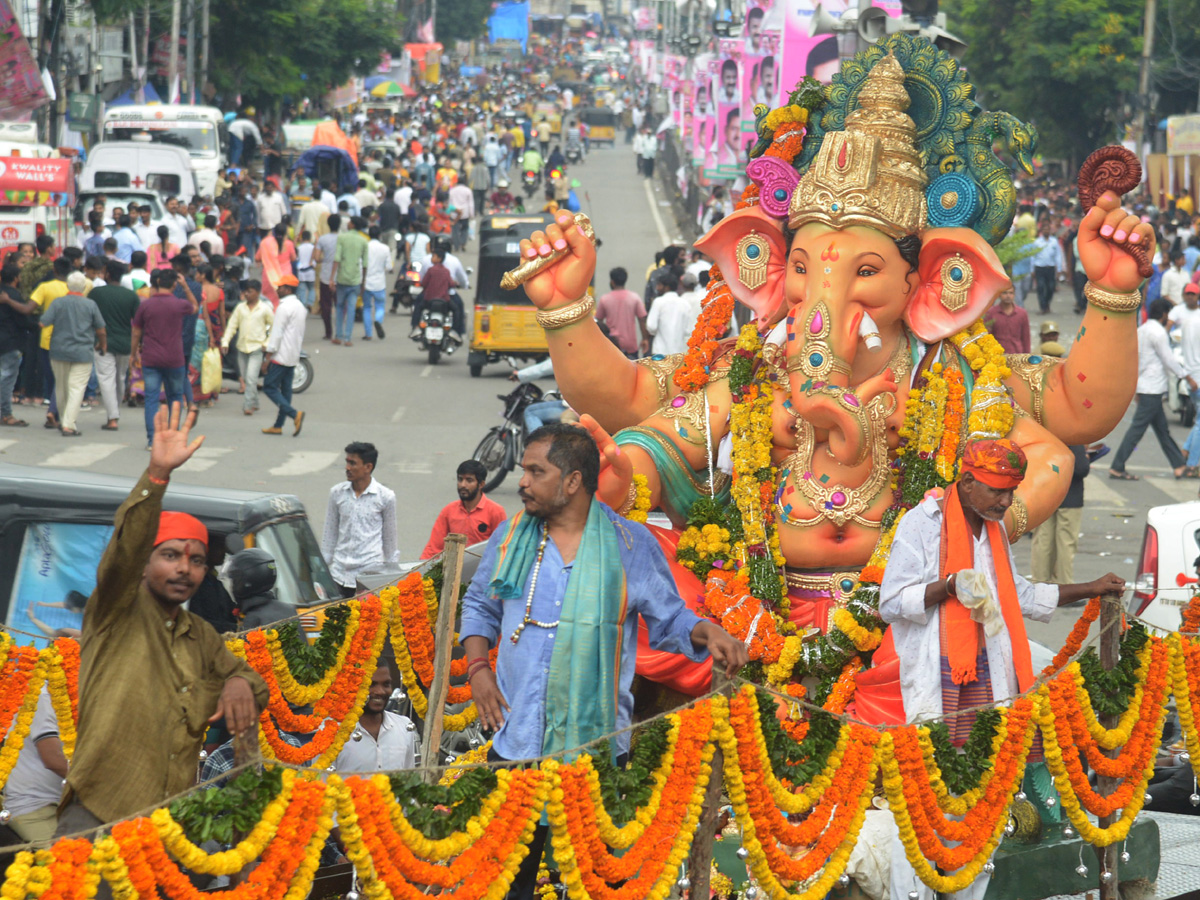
(216, 244)
(1175, 279)
(668, 318)
(360, 521)
(1155, 362)
(35, 785)
(283, 350)
(364, 196)
(177, 222)
(328, 198)
(374, 286)
(314, 218)
(271, 208)
(403, 199)
(146, 232)
(950, 571)
(382, 741)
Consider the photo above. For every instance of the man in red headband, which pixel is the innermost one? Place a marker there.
(152, 676)
(955, 603)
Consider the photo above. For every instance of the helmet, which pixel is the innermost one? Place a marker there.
(502, 183)
(251, 571)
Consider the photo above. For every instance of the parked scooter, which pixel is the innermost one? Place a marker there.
(301, 378)
(504, 445)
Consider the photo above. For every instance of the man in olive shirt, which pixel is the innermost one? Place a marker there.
(117, 306)
(152, 675)
(349, 266)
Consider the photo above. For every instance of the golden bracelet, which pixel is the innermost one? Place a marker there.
(630, 499)
(1020, 519)
(575, 311)
(1107, 300)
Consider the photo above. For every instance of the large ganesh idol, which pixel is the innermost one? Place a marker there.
(786, 456)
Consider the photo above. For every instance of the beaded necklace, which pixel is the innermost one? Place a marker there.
(537, 567)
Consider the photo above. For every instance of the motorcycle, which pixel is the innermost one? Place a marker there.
(408, 283)
(530, 181)
(302, 378)
(573, 151)
(503, 446)
(435, 333)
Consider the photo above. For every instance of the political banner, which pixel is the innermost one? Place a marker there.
(702, 108)
(21, 87)
(817, 56)
(728, 88)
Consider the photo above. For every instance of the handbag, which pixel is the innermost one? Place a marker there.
(210, 371)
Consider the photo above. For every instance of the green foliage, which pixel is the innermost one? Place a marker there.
(225, 814)
(1067, 66)
(1110, 691)
(799, 761)
(269, 49)
(309, 662)
(962, 771)
(624, 790)
(1014, 248)
(461, 20)
(439, 810)
(809, 93)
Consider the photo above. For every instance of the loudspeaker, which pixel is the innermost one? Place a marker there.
(872, 24)
(822, 22)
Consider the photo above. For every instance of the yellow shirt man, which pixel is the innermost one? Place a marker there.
(43, 295)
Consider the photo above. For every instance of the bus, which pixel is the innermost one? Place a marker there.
(200, 130)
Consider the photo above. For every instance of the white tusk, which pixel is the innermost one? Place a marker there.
(869, 332)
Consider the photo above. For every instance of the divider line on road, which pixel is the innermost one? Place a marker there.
(664, 238)
(425, 371)
(399, 414)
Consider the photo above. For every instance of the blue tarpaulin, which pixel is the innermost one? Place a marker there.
(129, 98)
(510, 21)
(311, 162)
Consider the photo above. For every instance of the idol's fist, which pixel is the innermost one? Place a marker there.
(566, 279)
(1108, 235)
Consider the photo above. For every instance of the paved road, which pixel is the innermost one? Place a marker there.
(426, 419)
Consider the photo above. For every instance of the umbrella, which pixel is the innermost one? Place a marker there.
(392, 89)
(374, 81)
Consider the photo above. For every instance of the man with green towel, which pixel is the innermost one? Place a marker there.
(559, 590)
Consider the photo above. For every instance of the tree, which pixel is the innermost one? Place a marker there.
(461, 20)
(268, 49)
(1068, 66)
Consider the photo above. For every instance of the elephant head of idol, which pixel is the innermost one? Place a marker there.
(846, 256)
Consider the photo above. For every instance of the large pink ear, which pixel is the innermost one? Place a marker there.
(960, 277)
(756, 240)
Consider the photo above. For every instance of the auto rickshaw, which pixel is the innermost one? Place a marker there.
(56, 522)
(601, 123)
(505, 321)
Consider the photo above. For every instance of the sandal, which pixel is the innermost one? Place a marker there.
(1188, 472)
(13, 422)
(68, 433)
(1121, 476)
(108, 427)
(51, 425)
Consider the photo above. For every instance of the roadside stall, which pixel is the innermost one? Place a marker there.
(36, 197)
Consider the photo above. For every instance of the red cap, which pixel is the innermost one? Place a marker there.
(178, 526)
(1191, 288)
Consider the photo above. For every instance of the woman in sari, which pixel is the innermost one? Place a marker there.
(160, 254)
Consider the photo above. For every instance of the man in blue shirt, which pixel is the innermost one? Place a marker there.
(128, 243)
(1048, 262)
(567, 634)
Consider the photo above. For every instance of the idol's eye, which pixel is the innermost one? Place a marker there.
(800, 270)
(867, 271)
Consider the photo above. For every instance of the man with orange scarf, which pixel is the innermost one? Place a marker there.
(955, 603)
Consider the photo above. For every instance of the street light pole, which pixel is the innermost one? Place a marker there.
(1147, 136)
(173, 64)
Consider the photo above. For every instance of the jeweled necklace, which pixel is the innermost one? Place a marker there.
(537, 567)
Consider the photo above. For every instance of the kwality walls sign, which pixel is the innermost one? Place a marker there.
(26, 181)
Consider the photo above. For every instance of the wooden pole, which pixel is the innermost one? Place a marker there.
(699, 865)
(443, 643)
(1110, 647)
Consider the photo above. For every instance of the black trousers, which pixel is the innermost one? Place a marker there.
(1149, 414)
(1079, 282)
(1045, 277)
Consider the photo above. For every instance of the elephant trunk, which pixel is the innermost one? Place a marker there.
(820, 367)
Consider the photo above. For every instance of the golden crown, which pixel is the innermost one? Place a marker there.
(870, 174)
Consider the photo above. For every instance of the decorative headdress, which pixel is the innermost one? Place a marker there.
(870, 173)
(896, 142)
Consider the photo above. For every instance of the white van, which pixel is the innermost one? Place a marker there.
(199, 130)
(138, 164)
(22, 224)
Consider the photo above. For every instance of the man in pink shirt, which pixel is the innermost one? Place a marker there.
(473, 514)
(624, 314)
